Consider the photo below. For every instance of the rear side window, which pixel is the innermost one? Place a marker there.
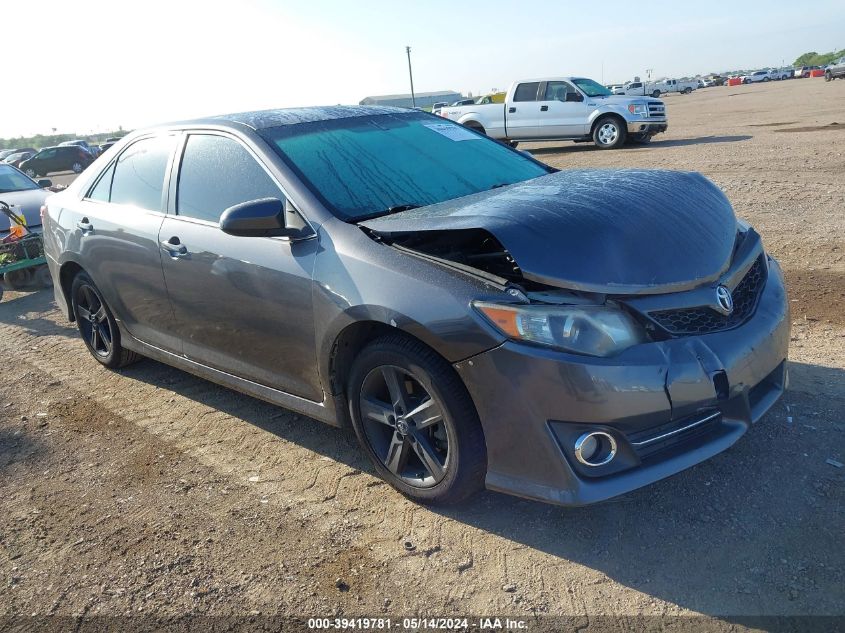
(139, 173)
(218, 172)
(526, 92)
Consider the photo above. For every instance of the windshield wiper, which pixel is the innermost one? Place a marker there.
(394, 209)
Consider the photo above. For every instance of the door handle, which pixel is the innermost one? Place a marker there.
(511, 110)
(84, 225)
(544, 108)
(174, 247)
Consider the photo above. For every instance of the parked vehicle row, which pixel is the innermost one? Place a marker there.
(564, 108)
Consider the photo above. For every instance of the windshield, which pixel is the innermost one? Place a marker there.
(363, 167)
(592, 88)
(13, 180)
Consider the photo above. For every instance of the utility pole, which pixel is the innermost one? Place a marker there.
(411, 76)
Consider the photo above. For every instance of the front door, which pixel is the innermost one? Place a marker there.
(242, 304)
(560, 117)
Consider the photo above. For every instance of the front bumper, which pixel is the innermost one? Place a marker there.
(534, 402)
(647, 127)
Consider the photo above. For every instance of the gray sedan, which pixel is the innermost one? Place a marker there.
(479, 318)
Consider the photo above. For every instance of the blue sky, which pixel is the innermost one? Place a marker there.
(169, 59)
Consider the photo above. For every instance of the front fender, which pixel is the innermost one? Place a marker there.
(609, 109)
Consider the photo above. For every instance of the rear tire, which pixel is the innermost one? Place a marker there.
(31, 173)
(609, 133)
(437, 455)
(97, 325)
(655, 93)
(77, 168)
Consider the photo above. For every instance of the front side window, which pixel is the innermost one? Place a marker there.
(526, 92)
(367, 166)
(556, 91)
(218, 172)
(139, 173)
(102, 190)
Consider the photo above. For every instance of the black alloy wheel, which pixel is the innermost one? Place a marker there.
(97, 325)
(416, 421)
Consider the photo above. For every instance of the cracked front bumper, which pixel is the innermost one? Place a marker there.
(534, 402)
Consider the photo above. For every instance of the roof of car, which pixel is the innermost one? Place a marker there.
(261, 119)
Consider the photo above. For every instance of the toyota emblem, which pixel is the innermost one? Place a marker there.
(724, 300)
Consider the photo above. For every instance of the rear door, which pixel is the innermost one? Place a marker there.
(116, 227)
(522, 114)
(559, 117)
(242, 304)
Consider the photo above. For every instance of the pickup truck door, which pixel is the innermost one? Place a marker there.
(562, 111)
(522, 111)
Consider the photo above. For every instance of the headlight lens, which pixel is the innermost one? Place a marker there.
(638, 108)
(591, 330)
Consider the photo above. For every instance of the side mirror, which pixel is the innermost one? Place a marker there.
(573, 96)
(258, 218)
(45, 182)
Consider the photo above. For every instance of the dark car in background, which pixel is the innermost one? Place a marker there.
(53, 159)
(478, 317)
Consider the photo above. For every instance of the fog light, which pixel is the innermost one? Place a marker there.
(595, 449)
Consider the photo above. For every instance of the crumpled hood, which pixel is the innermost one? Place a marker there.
(608, 231)
(26, 202)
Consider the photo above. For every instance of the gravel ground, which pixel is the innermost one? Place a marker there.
(149, 491)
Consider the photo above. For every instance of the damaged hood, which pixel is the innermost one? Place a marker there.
(607, 231)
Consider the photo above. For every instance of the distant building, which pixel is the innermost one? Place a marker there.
(404, 101)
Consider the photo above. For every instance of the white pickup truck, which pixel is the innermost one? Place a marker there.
(657, 88)
(564, 108)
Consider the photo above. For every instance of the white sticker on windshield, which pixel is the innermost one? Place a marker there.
(452, 131)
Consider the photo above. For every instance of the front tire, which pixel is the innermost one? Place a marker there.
(97, 325)
(416, 422)
(828, 77)
(77, 168)
(609, 133)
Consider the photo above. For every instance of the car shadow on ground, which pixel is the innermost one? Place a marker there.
(18, 307)
(718, 539)
(656, 144)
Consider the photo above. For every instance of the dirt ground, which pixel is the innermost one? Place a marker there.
(149, 491)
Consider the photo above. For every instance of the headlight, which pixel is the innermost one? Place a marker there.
(592, 330)
(638, 108)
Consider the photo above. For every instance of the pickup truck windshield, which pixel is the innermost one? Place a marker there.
(363, 167)
(592, 88)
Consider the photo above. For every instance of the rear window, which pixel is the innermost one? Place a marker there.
(526, 92)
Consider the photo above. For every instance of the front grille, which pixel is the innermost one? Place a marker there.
(656, 109)
(703, 320)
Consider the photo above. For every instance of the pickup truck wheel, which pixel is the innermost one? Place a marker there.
(513, 143)
(609, 133)
(476, 127)
(655, 94)
(687, 91)
(828, 77)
